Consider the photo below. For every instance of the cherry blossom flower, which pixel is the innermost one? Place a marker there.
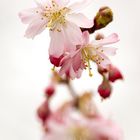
(70, 124)
(63, 20)
(73, 63)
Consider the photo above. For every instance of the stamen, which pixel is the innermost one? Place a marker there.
(89, 69)
(87, 59)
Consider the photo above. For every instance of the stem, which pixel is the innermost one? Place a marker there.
(65, 81)
(90, 30)
(72, 91)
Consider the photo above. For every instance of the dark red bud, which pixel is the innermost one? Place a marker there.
(43, 111)
(114, 74)
(49, 91)
(105, 89)
(55, 61)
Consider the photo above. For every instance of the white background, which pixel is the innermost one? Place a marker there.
(25, 70)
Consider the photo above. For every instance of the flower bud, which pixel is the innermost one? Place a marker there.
(105, 89)
(114, 74)
(55, 61)
(103, 18)
(49, 91)
(43, 111)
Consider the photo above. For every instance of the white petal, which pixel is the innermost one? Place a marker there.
(72, 33)
(113, 38)
(57, 43)
(80, 20)
(77, 6)
(35, 28)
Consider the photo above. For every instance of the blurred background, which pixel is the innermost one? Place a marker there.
(25, 71)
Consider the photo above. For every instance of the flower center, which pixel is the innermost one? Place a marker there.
(86, 55)
(89, 53)
(55, 16)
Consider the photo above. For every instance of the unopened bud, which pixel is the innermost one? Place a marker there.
(55, 61)
(49, 91)
(114, 74)
(105, 89)
(43, 111)
(103, 18)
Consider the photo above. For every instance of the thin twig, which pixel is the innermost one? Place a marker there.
(72, 91)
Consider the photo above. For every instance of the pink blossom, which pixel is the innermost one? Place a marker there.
(74, 62)
(70, 124)
(63, 20)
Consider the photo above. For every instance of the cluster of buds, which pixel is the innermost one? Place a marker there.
(110, 75)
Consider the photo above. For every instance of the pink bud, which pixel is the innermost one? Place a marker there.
(105, 89)
(55, 61)
(49, 91)
(114, 74)
(43, 111)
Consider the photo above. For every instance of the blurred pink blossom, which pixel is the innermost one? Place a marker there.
(70, 124)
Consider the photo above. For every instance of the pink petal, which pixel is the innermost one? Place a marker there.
(35, 28)
(85, 37)
(28, 15)
(108, 50)
(72, 73)
(80, 20)
(79, 73)
(43, 3)
(62, 3)
(72, 33)
(113, 38)
(105, 62)
(80, 5)
(57, 44)
(64, 68)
